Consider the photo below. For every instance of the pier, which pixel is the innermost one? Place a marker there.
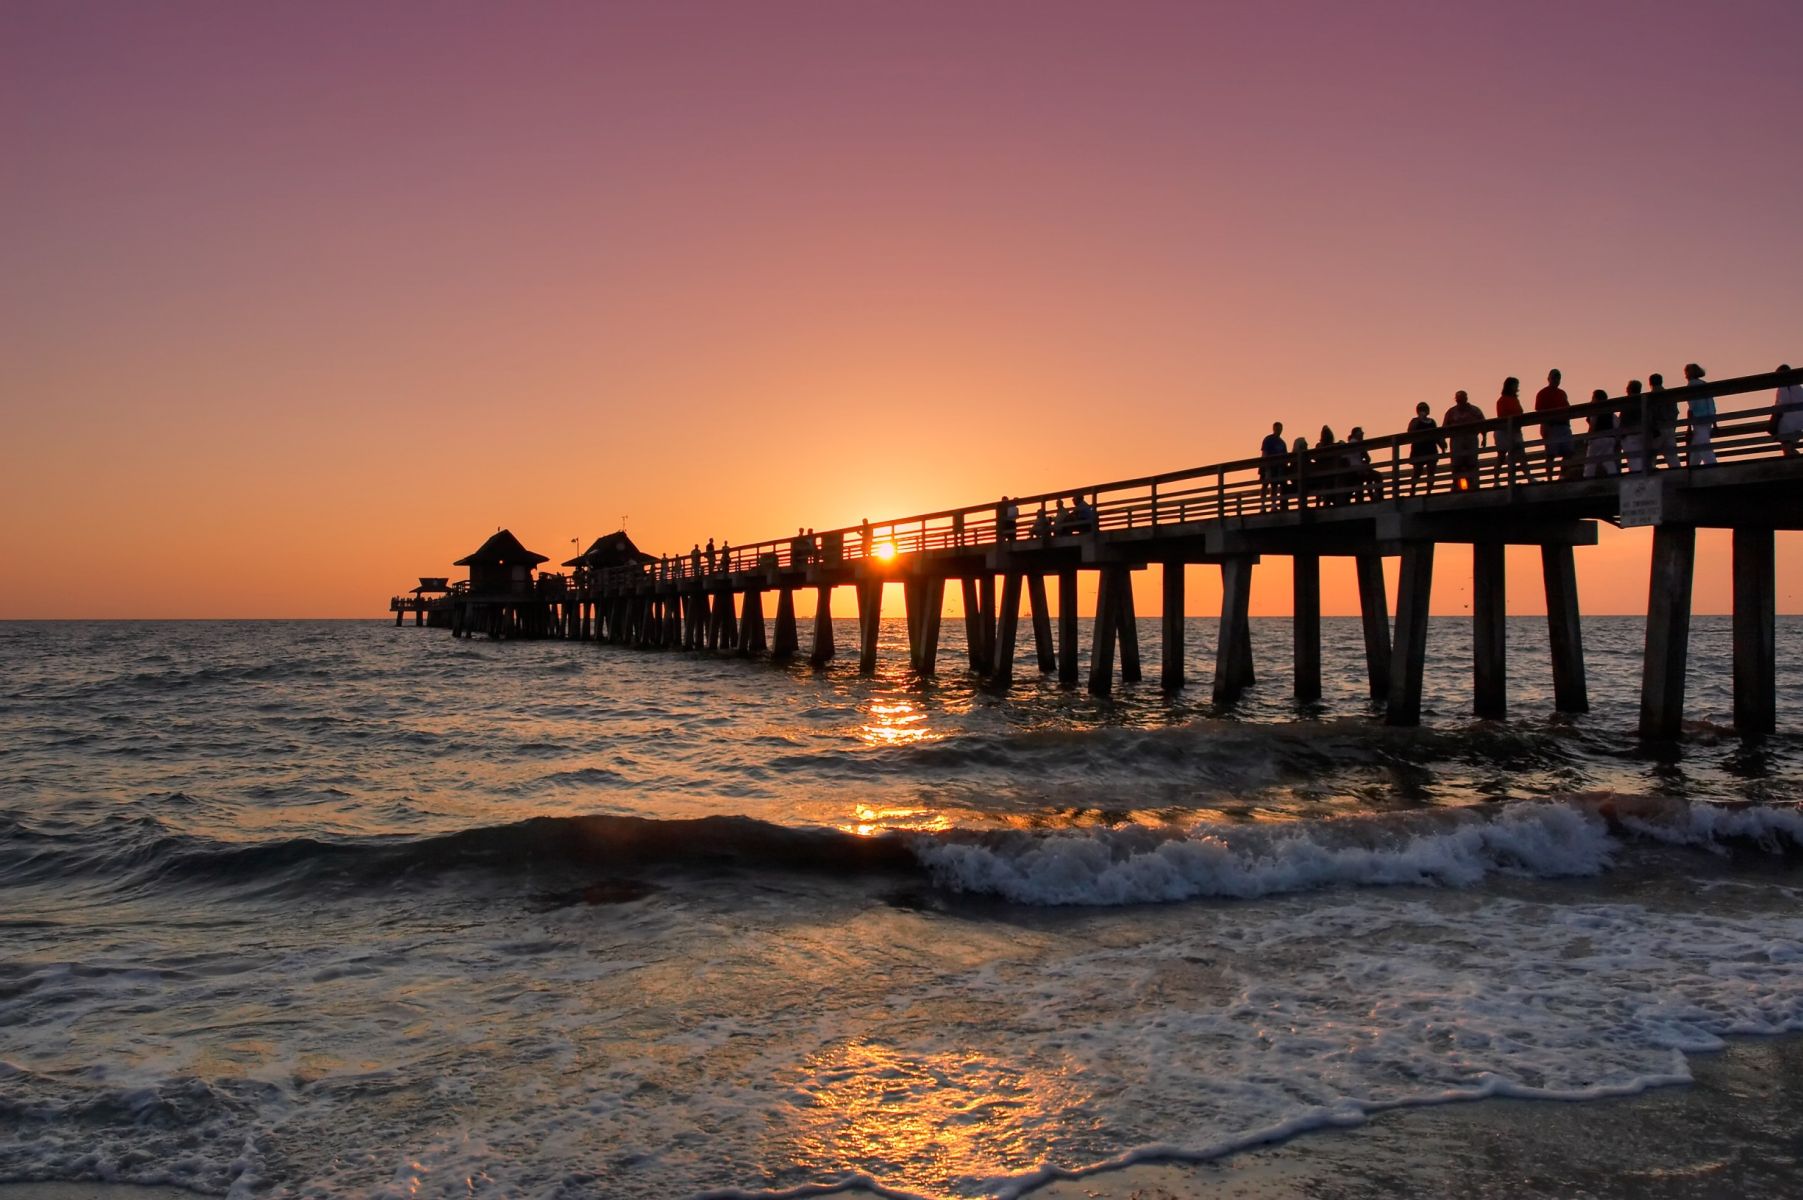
(1363, 501)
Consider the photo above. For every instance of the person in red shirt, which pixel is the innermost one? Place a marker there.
(1508, 438)
(1556, 434)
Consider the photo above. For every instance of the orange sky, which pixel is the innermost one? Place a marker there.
(304, 301)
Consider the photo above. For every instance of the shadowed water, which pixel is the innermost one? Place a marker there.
(298, 908)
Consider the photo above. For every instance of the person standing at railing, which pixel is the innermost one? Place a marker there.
(710, 556)
(1366, 484)
(1007, 520)
(1698, 451)
(1270, 471)
(864, 537)
(1661, 434)
(1513, 453)
(1787, 416)
(1600, 454)
(725, 556)
(1554, 433)
(1296, 478)
(1424, 450)
(1632, 425)
(695, 561)
(1465, 442)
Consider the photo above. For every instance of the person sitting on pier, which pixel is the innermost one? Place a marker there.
(1424, 450)
(1083, 514)
(1554, 433)
(1600, 454)
(1661, 433)
(1270, 472)
(1631, 427)
(1465, 442)
(1061, 520)
(1042, 524)
(1698, 452)
(1787, 416)
(1007, 520)
(1509, 439)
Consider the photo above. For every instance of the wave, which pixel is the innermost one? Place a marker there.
(1105, 866)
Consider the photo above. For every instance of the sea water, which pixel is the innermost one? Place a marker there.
(339, 908)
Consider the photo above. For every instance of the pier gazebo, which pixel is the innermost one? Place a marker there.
(501, 598)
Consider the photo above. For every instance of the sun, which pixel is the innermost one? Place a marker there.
(884, 551)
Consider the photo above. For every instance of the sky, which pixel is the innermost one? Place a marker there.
(305, 300)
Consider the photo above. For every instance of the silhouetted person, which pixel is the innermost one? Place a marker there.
(958, 527)
(1424, 448)
(1042, 524)
(1509, 442)
(1631, 426)
(710, 556)
(1061, 521)
(725, 555)
(1083, 514)
(1007, 520)
(1270, 472)
(1366, 485)
(695, 561)
(1296, 479)
(1465, 441)
(1661, 432)
(864, 536)
(1600, 454)
(1325, 476)
(1556, 434)
(1699, 451)
(1787, 416)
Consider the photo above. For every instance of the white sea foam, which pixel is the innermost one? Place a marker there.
(1137, 866)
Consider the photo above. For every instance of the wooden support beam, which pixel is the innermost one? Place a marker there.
(1305, 626)
(1489, 631)
(1042, 624)
(823, 625)
(870, 612)
(1755, 620)
(1374, 611)
(1564, 633)
(932, 613)
(986, 608)
(1067, 627)
(1128, 622)
(1667, 632)
(1001, 671)
(784, 641)
(973, 625)
(1233, 650)
(751, 623)
(1170, 675)
(914, 610)
(1103, 632)
(1408, 661)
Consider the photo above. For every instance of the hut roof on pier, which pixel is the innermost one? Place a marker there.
(613, 550)
(433, 583)
(503, 549)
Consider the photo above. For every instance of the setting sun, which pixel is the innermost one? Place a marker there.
(884, 551)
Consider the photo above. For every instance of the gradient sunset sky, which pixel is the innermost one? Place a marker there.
(304, 300)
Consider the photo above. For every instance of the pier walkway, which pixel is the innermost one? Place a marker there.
(1384, 497)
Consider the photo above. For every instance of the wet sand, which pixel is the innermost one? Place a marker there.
(1736, 1132)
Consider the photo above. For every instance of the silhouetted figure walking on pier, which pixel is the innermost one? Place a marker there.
(1465, 441)
(1556, 434)
(1424, 450)
(1699, 452)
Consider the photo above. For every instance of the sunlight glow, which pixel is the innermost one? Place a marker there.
(884, 551)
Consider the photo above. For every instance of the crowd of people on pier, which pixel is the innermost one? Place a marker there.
(1637, 434)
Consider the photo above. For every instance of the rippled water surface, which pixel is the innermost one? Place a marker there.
(338, 908)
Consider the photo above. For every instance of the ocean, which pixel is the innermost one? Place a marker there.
(344, 909)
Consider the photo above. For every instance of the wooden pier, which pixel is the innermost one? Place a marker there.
(1363, 501)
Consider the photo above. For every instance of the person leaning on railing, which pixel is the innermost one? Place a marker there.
(1556, 434)
(1424, 449)
(1787, 416)
(1465, 441)
(1697, 451)
(1601, 457)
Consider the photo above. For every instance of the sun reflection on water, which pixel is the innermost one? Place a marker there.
(946, 1114)
(895, 721)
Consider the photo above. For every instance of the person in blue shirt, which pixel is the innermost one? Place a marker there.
(1698, 451)
(1270, 474)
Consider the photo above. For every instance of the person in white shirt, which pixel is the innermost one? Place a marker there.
(1787, 416)
(1698, 452)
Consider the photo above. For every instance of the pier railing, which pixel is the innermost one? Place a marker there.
(1536, 449)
